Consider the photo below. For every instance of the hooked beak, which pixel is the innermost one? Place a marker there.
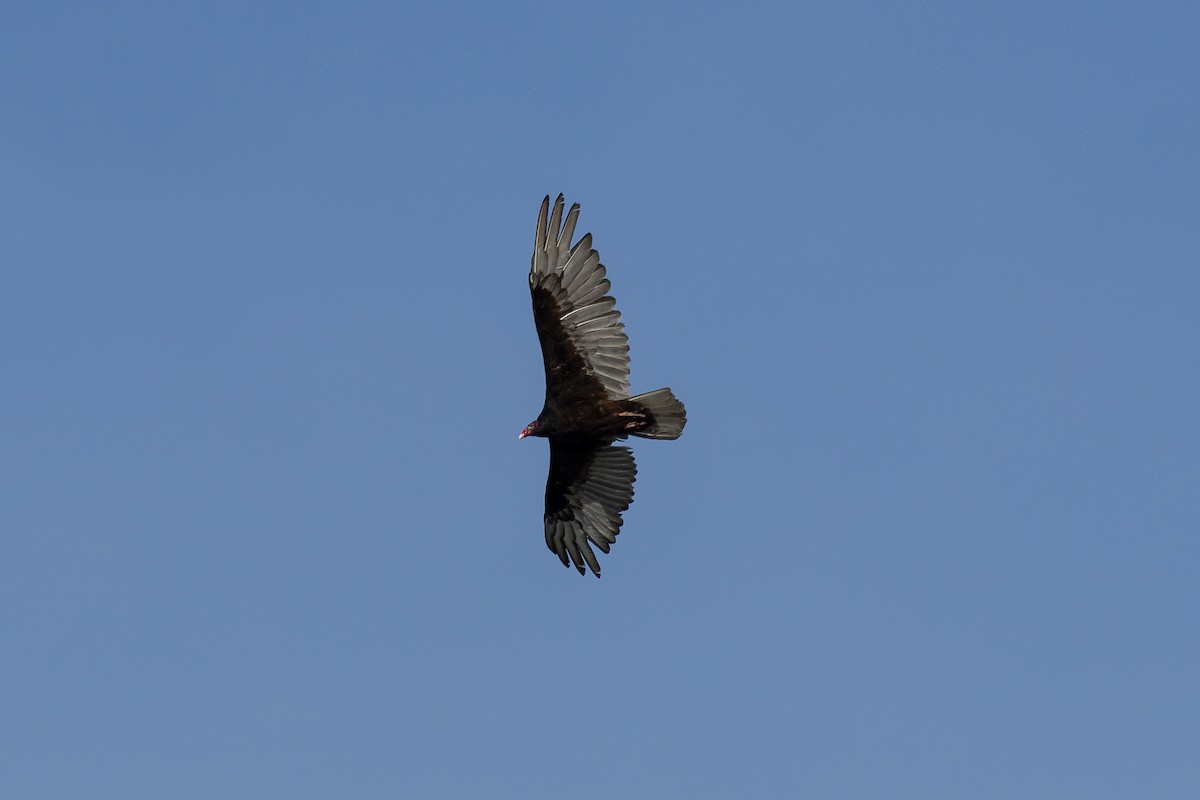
(527, 432)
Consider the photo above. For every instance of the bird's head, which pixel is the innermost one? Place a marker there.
(531, 429)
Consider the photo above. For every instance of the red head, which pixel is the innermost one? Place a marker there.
(530, 430)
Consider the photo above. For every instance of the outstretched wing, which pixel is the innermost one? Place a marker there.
(588, 487)
(583, 339)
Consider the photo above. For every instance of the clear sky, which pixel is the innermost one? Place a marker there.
(927, 277)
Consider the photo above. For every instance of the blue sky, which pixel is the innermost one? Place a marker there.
(926, 275)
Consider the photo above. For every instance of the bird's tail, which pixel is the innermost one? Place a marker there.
(669, 414)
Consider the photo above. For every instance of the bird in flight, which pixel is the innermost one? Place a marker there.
(588, 407)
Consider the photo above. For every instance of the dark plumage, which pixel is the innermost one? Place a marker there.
(588, 407)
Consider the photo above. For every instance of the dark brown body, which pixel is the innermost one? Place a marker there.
(599, 421)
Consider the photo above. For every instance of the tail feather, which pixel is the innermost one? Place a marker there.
(669, 414)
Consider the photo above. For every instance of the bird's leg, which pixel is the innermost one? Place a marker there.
(637, 419)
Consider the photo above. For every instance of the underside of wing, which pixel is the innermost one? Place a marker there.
(572, 306)
(588, 488)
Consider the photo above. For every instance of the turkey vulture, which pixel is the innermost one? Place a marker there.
(588, 406)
